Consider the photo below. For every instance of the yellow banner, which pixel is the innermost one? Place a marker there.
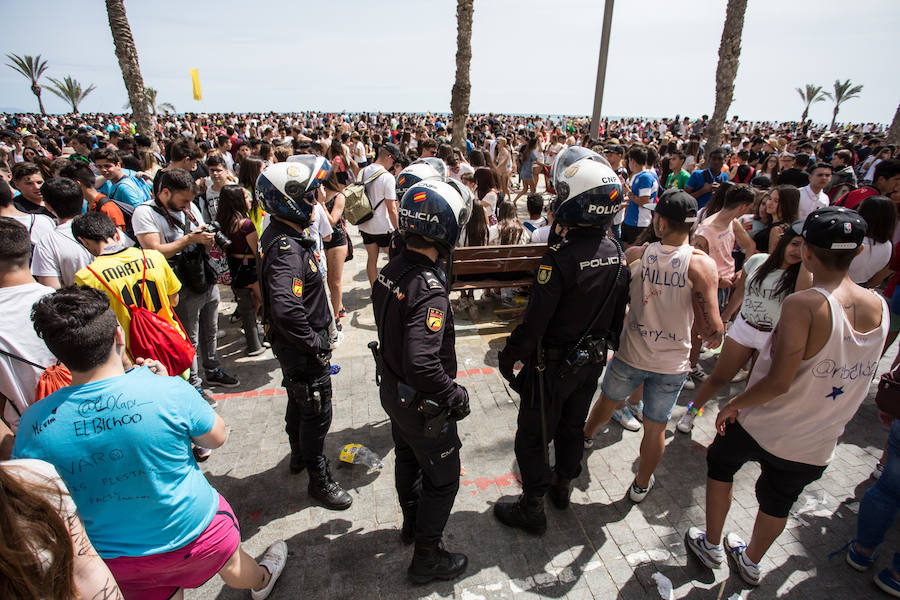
(195, 77)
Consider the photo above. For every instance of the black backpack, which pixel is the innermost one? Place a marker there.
(127, 213)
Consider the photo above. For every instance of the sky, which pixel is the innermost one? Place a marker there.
(528, 56)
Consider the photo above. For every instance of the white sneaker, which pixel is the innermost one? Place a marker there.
(686, 423)
(747, 569)
(879, 469)
(637, 493)
(273, 561)
(707, 353)
(588, 443)
(637, 410)
(740, 376)
(623, 417)
(689, 384)
(709, 555)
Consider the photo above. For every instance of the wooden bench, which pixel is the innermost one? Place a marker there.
(490, 261)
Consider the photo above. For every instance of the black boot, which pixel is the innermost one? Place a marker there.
(327, 491)
(526, 513)
(408, 531)
(560, 490)
(430, 561)
(297, 463)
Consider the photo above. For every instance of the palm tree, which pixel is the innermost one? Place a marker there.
(459, 97)
(843, 91)
(70, 90)
(726, 71)
(893, 135)
(128, 63)
(151, 95)
(31, 67)
(811, 95)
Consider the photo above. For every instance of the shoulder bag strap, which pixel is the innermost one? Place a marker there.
(20, 359)
(106, 285)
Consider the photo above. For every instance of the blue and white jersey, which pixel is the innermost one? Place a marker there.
(645, 183)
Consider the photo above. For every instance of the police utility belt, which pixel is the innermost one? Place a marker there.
(590, 350)
(435, 414)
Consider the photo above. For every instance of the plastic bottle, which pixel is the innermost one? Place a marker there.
(357, 454)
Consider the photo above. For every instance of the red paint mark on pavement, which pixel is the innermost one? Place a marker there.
(483, 483)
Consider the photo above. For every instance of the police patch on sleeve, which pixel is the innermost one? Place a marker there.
(297, 287)
(543, 274)
(434, 319)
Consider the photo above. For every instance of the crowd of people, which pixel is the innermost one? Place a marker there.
(752, 251)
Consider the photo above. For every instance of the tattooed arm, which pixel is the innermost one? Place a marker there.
(704, 298)
(92, 576)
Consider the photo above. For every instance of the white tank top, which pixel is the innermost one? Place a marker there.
(656, 335)
(804, 423)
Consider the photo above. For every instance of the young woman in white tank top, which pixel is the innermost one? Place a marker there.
(755, 307)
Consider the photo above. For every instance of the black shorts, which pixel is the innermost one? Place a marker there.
(338, 238)
(382, 240)
(631, 233)
(781, 481)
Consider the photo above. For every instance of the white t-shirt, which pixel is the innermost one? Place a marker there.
(491, 199)
(460, 170)
(873, 258)
(541, 235)
(18, 380)
(319, 230)
(147, 220)
(810, 201)
(38, 226)
(211, 206)
(60, 255)
(760, 306)
(379, 192)
(359, 153)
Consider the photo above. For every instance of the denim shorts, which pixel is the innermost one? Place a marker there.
(660, 389)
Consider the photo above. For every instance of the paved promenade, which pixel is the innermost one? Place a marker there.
(602, 547)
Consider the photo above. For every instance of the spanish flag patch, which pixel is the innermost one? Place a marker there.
(297, 287)
(420, 197)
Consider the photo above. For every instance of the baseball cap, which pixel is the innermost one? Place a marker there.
(615, 149)
(676, 205)
(832, 228)
(392, 149)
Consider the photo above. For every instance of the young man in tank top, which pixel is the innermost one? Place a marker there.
(810, 379)
(673, 289)
(716, 236)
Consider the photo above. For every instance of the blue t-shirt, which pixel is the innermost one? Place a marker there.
(123, 447)
(700, 178)
(125, 190)
(645, 183)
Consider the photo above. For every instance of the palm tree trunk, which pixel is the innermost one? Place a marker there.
(804, 115)
(833, 117)
(36, 90)
(893, 135)
(459, 99)
(128, 63)
(726, 71)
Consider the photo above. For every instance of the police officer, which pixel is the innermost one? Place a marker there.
(417, 365)
(574, 315)
(298, 316)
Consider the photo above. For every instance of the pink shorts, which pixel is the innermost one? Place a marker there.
(159, 576)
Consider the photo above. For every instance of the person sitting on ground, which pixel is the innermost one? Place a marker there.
(162, 527)
(792, 413)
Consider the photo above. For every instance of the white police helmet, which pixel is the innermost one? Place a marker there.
(569, 156)
(434, 210)
(588, 193)
(288, 189)
(413, 174)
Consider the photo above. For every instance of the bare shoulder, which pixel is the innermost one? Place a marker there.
(701, 264)
(634, 253)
